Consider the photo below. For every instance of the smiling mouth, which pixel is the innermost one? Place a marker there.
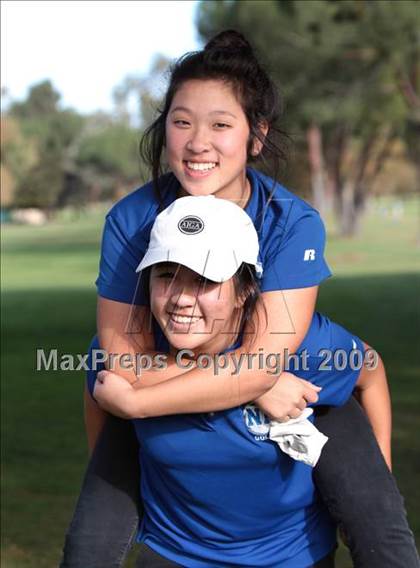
(199, 167)
(183, 320)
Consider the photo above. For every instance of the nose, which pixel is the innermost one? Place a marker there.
(199, 141)
(183, 296)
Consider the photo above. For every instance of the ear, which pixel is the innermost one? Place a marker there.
(241, 299)
(257, 144)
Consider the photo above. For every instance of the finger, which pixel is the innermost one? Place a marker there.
(302, 404)
(311, 385)
(284, 418)
(295, 413)
(310, 396)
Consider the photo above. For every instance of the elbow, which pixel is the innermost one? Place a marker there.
(373, 372)
(134, 413)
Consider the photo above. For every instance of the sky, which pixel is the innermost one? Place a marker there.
(87, 47)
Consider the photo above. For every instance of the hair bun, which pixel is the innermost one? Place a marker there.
(229, 39)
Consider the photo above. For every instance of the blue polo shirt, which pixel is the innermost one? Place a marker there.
(291, 237)
(217, 492)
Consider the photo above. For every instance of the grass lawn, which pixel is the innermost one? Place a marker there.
(48, 301)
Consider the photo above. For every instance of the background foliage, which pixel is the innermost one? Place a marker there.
(349, 72)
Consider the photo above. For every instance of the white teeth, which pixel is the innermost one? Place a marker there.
(184, 319)
(201, 166)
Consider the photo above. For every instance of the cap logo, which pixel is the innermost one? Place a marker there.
(191, 225)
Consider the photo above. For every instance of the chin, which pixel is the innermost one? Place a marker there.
(198, 189)
(183, 343)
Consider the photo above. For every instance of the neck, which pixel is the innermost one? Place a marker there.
(239, 195)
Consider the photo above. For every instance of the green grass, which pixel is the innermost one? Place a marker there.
(48, 301)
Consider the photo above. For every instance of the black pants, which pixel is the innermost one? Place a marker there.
(148, 558)
(351, 476)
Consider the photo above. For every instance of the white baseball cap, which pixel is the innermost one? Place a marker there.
(209, 235)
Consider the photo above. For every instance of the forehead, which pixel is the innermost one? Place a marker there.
(207, 96)
(174, 267)
(184, 273)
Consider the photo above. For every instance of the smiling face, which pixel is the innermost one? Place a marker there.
(194, 313)
(206, 140)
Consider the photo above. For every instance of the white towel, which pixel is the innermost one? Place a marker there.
(299, 438)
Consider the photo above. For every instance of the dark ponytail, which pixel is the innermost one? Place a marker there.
(230, 58)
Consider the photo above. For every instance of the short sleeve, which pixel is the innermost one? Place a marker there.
(335, 365)
(120, 256)
(295, 256)
(337, 385)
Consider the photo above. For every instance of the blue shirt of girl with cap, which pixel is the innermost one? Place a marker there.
(214, 492)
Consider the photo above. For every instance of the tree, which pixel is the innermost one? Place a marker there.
(147, 90)
(109, 157)
(337, 64)
(52, 134)
(43, 184)
(42, 101)
(18, 156)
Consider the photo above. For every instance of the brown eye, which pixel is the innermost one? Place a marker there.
(182, 123)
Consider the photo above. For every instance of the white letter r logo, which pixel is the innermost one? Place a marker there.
(309, 254)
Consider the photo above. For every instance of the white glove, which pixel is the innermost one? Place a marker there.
(299, 438)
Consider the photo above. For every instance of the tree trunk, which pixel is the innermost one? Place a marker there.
(316, 162)
(413, 145)
(353, 201)
(335, 153)
(351, 193)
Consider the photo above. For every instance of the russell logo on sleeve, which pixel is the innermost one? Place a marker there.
(309, 255)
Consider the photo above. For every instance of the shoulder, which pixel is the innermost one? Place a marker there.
(279, 207)
(277, 191)
(139, 208)
(135, 209)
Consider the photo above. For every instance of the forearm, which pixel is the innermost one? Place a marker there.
(186, 388)
(199, 390)
(204, 390)
(373, 394)
(180, 387)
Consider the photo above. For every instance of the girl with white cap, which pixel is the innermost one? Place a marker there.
(216, 491)
(220, 113)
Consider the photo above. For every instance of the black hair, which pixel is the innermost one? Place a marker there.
(247, 287)
(230, 58)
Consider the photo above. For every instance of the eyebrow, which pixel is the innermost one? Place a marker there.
(185, 109)
(166, 264)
